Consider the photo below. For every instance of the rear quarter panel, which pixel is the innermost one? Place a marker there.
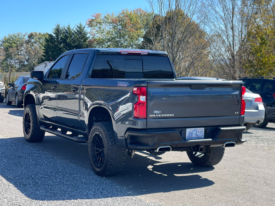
(114, 95)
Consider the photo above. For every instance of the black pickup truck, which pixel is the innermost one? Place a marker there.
(122, 100)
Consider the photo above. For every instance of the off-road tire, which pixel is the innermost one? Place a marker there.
(8, 102)
(113, 157)
(17, 103)
(32, 133)
(1, 98)
(211, 156)
(263, 124)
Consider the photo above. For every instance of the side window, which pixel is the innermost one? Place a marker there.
(267, 86)
(255, 86)
(76, 66)
(56, 70)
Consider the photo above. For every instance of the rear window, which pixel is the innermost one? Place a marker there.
(25, 79)
(254, 86)
(123, 66)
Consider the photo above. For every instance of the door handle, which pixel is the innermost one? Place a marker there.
(53, 87)
(74, 89)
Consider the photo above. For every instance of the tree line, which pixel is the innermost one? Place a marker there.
(221, 38)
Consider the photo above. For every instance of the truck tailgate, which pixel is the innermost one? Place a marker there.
(193, 99)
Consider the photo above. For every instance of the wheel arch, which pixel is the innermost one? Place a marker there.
(98, 114)
(28, 99)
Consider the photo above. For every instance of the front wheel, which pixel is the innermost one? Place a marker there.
(31, 130)
(211, 156)
(106, 157)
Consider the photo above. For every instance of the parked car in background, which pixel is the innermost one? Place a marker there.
(16, 91)
(254, 109)
(266, 89)
(2, 91)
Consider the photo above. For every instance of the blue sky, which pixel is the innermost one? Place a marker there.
(42, 15)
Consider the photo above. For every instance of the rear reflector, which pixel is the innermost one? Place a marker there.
(133, 52)
(258, 99)
(140, 106)
(242, 101)
(24, 87)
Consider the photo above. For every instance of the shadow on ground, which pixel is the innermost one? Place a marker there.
(58, 169)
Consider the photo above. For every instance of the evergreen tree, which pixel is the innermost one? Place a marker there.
(81, 37)
(64, 39)
(68, 38)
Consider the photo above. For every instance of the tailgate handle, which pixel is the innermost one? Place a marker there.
(198, 86)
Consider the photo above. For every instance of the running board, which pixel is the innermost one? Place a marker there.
(69, 137)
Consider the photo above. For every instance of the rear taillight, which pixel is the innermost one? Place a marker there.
(273, 95)
(140, 106)
(24, 87)
(243, 102)
(259, 99)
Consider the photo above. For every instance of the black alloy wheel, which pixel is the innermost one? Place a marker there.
(27, 124)
(98, 151)
(106, 157)
(31, 128)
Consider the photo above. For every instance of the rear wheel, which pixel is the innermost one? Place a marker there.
(8, 102)
(31, 130)
(263, 124)
(211, 156)
(17, 103)
(105, 156)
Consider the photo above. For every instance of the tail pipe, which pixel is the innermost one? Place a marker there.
(163, 149)
(229, 144)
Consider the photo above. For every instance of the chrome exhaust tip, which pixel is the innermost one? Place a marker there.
(163, 149)
(229, 144)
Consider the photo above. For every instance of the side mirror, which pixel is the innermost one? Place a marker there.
(10, 84)
(39, 75)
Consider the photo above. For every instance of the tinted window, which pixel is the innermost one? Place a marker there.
(76, 66)
(56, 71)
(101, 67)
(120, 66)
(25, 79)
(267, 86)
(130, 68)
(255, 86)
(157, 67)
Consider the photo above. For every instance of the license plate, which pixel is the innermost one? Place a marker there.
(195, 133)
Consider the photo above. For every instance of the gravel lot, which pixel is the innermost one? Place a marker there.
(57, 172)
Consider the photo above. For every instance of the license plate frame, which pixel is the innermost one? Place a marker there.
(194, 133)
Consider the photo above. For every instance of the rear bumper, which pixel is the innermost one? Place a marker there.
(253, 116)
(151, 139)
